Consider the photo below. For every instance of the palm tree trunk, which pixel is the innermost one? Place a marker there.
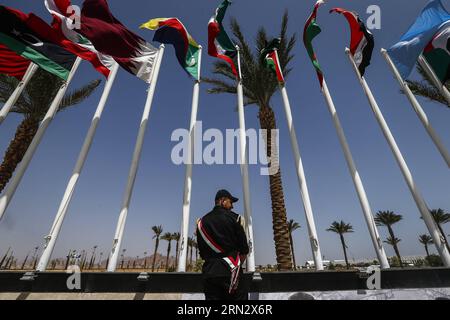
(24, 263)
(397, 252)
(294, 265)
(428, 253)
(344, 247)
(17, 148)
(4, 257)
(279, 217)
(167, 258)
(176, 254)
(154, 254)
(443, 235)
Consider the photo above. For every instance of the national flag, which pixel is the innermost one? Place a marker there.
(172, 31)
(219, 43)
(19, 37)
(63, 27)
(12, 64)
(405, 53)
(109, 36)
(311, 31)
(270, 57)
(437, 53)
(362, 41)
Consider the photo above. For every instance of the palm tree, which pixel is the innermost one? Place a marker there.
(4, 257)
(440, 217)
(426, 240)
(387, 219)
(260, 84)
(292, 226)
(168, 237)
(33, 104)
(427, 89)
(342, 228)
(25, 261)
(394, 243)
(176, 236)
(190, 245)
(145, 260)
(158, 230)
(196, 250)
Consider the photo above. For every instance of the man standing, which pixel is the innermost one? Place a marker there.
(223, 245)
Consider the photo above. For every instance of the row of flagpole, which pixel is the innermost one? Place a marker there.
(51, 239)
(432, 227)
(70, 189)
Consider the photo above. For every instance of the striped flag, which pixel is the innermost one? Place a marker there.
(311, 31)
(405, 53)
(219, 43)
(270, 58)
(362, 41)
(62, 26)
(172, 31)
(12, 64)
(437, 54)
(27, 41)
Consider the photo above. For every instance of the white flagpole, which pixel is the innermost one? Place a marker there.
(50, 240)
(32, 68)
(363, 200)
(418, 109)
(437, 83)
(244, 169)
(420, 202)
(5, 199)
(313, 238)
(188, 178)
(117, 242)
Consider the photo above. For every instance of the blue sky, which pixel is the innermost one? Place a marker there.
(157, 199)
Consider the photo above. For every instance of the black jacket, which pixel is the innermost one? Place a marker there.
(226, 230)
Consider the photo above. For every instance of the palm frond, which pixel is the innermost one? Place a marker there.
(77, 96)
(426, 88)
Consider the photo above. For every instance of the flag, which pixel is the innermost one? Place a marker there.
(19, 37)
(405, 53)
(12, 64)
(72, 40)
(311, 31)
(270, 57)
(219, 44)
(109, 36)
(172, 31)
(362, 41)
(437, 53)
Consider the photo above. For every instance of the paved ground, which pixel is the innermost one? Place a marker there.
(410, 294)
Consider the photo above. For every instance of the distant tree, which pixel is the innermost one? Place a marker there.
(342, 228)
(176, 237)
(426, 240)
(168, 237)
(387, 219)
(157, 230)
(292, 226)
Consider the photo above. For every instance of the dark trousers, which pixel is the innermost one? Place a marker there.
(217, 289)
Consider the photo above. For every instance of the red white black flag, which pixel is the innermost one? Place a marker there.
(362, 41)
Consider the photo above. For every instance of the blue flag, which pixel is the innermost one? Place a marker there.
(406, 52)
